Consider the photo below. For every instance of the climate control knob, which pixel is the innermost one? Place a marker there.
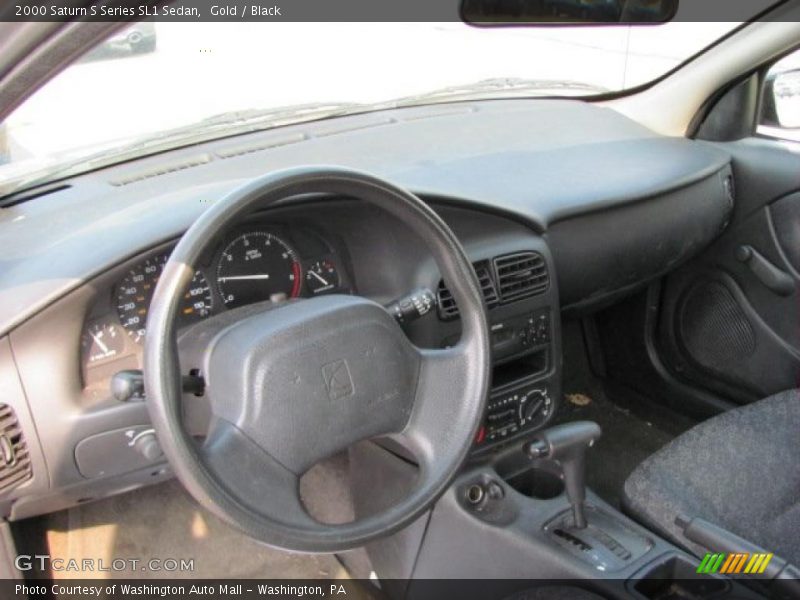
(535, 408)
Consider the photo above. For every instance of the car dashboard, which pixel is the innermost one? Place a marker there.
(561, 206)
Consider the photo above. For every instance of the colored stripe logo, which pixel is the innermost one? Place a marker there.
(734, 563)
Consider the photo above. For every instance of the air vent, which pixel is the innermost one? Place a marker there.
(520, 275)
(432, 113)
(268, 144)
(325, 129)
(446, 302)
(162, 168)
(15, 462)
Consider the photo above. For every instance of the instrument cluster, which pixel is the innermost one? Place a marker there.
(252, 264)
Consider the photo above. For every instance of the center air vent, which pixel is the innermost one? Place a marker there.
(446, 302)
(520, 275)
(15, 462)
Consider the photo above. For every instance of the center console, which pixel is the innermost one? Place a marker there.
(522, 399)
(525, 375)
(519, 514)
(522, 301)
(509, 524)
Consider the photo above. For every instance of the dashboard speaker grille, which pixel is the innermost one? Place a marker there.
(446, 302)
(520, 275)
(15, 461)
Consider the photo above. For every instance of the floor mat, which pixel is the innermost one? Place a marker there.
(163, 522)
(626, 441)
(633, 427)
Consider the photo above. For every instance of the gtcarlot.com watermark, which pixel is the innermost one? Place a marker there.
(45, 562)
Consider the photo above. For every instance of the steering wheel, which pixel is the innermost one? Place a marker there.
(290, 384)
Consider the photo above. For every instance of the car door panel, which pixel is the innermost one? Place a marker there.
(730, 320)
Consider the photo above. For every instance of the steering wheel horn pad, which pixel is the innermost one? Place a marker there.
(314, 379)
(294, 383)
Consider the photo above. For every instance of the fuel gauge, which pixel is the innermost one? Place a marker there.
(321, 277)
(101, 340)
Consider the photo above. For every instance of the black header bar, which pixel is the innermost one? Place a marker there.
(332, 10)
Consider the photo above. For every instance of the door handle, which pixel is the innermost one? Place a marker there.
(771, 276)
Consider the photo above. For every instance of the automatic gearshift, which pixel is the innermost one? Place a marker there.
(566, 444)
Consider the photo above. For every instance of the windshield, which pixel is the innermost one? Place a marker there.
(150, 79)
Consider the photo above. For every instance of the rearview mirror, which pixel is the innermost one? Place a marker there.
(566, 12)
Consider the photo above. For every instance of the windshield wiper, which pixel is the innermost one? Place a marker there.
(220, 125)
(503, 87)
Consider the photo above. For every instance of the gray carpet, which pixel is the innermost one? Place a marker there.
(626, 441)
(163, 521)
(633, 427)
(739, 470)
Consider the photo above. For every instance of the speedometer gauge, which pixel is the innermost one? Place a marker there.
(256, 266)
(135, 292)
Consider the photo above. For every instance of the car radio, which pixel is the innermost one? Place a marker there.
(524, 389)
(521, 333)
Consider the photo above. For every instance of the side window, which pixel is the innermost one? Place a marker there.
(780, 103)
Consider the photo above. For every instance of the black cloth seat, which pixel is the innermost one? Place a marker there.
(739, 470)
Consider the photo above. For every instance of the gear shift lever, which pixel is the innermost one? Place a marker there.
(566, 444)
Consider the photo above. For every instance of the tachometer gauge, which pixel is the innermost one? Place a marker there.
(257, 266)
(322, 277)
(101, 341)
(135, 292)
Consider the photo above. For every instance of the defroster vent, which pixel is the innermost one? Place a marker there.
(15, 461)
